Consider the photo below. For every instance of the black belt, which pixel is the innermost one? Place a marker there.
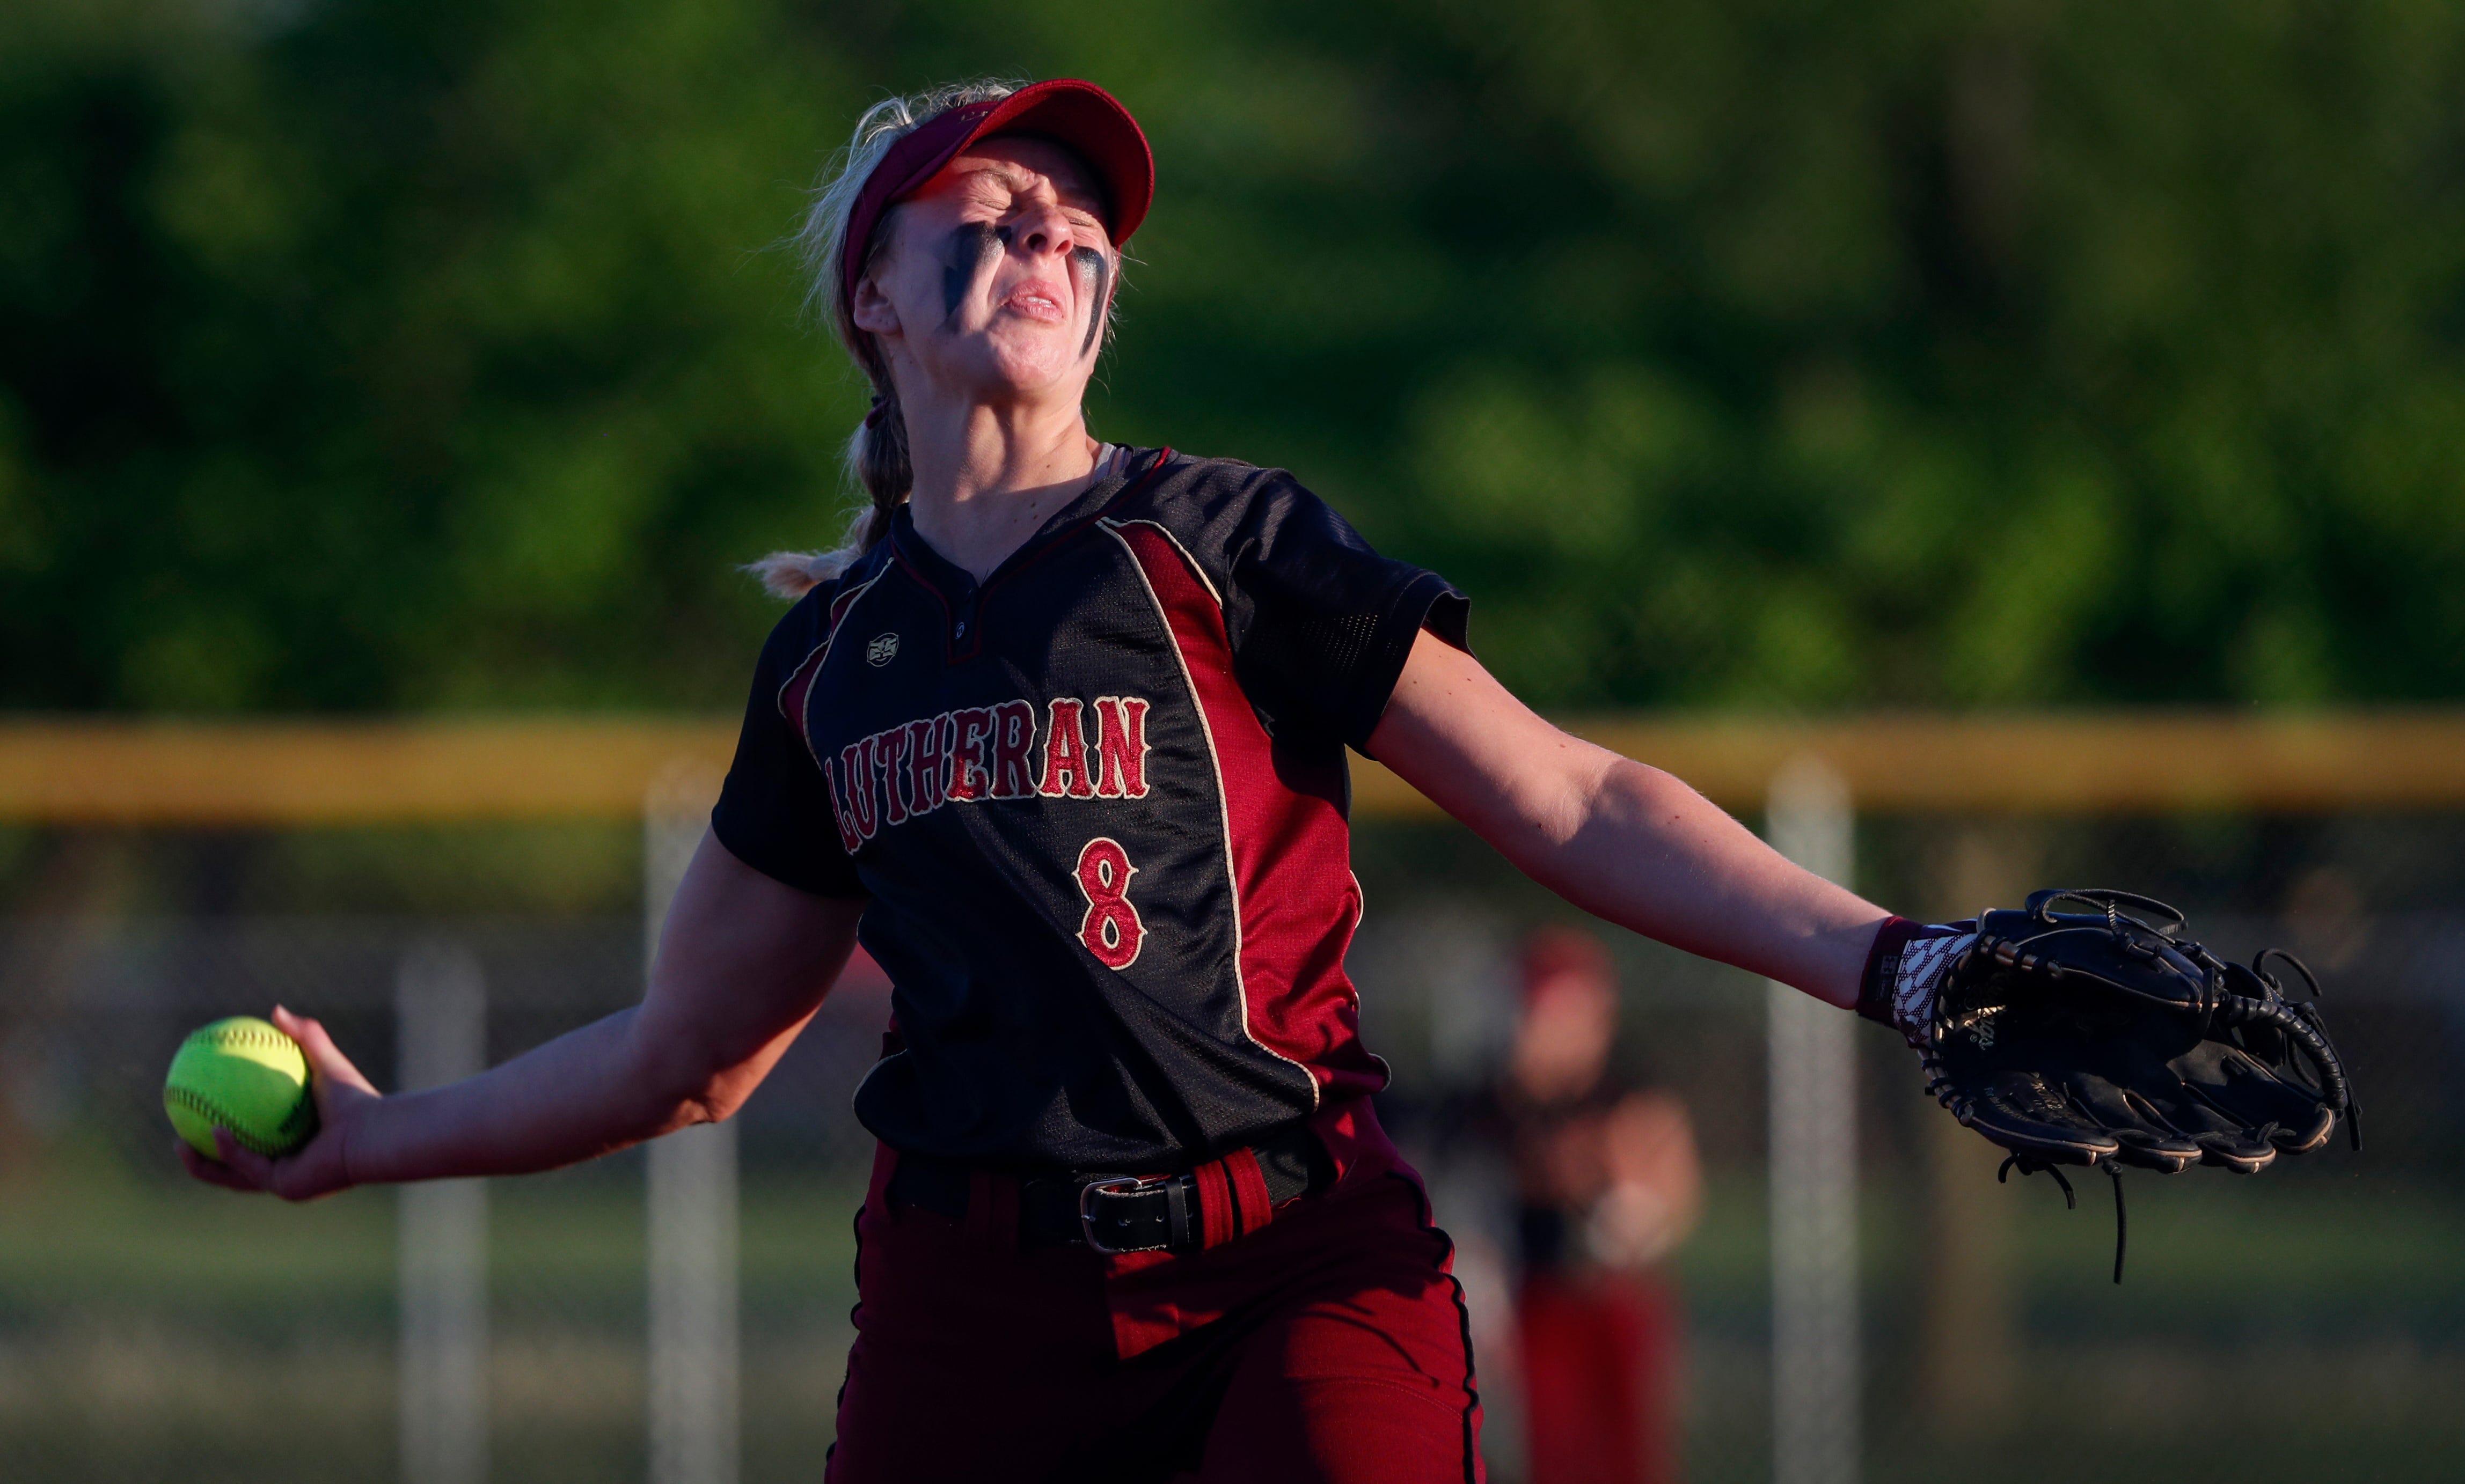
(1116, 1214)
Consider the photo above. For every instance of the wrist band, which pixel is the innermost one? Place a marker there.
(1884, 968)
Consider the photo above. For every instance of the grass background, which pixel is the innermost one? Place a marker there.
(2294, 1329)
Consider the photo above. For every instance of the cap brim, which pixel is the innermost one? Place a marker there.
(1093, 123)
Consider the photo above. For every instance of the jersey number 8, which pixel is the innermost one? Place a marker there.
(1111, 929)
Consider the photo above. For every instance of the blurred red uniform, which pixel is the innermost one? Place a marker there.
(1608, 1183)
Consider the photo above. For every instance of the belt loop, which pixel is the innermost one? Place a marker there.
(1248, 1190)
(1214, 1205)
(1178, 1194)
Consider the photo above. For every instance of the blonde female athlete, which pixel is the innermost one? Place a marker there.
(1060, 738)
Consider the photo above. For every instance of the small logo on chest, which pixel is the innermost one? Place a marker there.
(884, 648)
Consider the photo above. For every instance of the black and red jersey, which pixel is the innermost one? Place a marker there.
(1098, 804)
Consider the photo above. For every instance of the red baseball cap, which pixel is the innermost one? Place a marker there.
(1555, 953)
(1080, 115)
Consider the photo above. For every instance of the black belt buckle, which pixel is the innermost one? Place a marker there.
(1113, 1185)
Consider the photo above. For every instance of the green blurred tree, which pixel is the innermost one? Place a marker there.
(1753, 353)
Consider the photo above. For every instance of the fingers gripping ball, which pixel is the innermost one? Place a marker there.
(245, 1075)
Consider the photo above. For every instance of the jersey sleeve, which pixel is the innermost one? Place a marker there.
(1321, 624)
(774, 811)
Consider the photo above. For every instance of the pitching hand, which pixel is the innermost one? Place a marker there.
(323, 1166)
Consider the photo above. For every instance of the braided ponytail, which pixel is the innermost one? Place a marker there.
(877, 461)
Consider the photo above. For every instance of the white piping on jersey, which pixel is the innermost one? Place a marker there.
(1195, 570)
(1223, 802)
(819, 655)
(1362, 896)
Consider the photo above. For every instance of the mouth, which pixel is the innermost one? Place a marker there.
(1039, 300)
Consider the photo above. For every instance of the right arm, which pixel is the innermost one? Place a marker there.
(744, 963)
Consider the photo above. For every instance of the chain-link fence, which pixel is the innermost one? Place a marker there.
(2308, 1323)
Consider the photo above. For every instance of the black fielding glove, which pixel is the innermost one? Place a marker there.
(2106, 1037)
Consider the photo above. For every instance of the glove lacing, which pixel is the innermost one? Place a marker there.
(2071, 1201)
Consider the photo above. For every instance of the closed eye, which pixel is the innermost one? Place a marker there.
(993, 195)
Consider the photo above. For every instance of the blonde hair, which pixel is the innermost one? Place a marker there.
(877, 452)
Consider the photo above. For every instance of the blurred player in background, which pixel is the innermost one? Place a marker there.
(1607, 1184)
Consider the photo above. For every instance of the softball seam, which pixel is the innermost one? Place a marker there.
(223, 1118)
(240, 1035)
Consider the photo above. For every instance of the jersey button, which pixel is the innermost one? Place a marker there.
(963, 629)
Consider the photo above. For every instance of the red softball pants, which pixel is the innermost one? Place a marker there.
(1331, 1344)
(1601, 1373)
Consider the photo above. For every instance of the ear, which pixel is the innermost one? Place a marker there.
(873, 311)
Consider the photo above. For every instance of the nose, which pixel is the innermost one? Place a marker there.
(1041, 230)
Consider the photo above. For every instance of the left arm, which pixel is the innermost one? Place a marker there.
(1621, 840)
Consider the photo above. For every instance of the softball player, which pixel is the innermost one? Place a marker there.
(1060, 737)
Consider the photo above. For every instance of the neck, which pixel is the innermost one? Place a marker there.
(987, 476)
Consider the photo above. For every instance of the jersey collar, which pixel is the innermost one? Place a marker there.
(959, 589)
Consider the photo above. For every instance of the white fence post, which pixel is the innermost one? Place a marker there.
(1816, 1351)
(441, 1021)
(692, 1200)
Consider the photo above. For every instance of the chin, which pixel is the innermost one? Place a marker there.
(1027, 365)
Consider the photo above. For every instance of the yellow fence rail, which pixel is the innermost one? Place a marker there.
(286, 774)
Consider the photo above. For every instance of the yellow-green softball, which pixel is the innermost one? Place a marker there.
(245, 1075)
